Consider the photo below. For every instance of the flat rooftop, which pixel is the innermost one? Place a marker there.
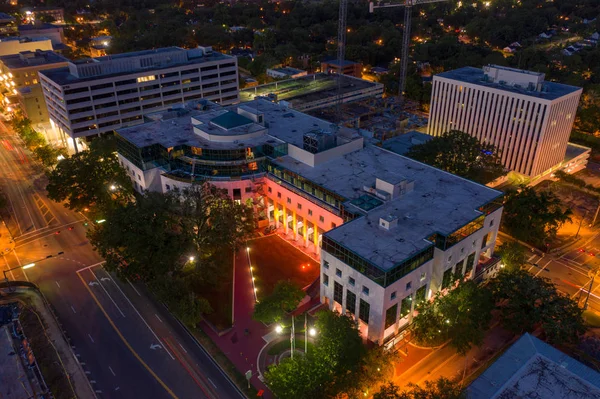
(27, 59)
(531, 368)
(307, 89)
(575, 150)
(63, 75)
(37, 26)
(552, 90)
(440, 202)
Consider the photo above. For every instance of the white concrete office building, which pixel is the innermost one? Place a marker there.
(527, 118)
(99, 95)
(390, 231)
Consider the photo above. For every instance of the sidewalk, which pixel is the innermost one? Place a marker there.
(243, 350)
(7, 244)
(73, 368)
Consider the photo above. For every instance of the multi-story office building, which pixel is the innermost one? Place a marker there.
(35, 13)
(20, 84)
(390, 231)
(99, 95)
(48, 31)
(350, 68)
(526, 117)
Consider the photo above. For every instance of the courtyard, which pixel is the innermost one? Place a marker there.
(274, 259)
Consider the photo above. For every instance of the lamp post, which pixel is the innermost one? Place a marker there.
(587, 297)
(27, 266)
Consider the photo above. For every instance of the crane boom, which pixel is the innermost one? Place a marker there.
(341, 55)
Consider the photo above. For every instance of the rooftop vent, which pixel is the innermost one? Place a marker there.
(388, 222)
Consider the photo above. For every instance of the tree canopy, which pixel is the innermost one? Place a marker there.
(526, 302)
(513, 255)
(339, 364)
(461, 316)
(441, 388)
(461, 154)
(285, 298)
(85, 180)
(533, 216)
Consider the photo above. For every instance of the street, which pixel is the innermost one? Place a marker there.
(129, 345)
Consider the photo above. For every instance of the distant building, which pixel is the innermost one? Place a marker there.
(99, 95)
(403, 143)
(43, 30)
(33, 14)
(531, 368)
(526, 117)
(99, 45)
(16, 45)
(379, 71)
(8, 25)
(350, 68)
(285, 73)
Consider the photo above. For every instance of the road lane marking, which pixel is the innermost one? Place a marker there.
(20, 264)
(90, 266)
(114, 326)
(57, 284)
(182, 347)
(138, 313)
(111, 298)
(213, 384)
(73, 309)
(189, 370)
(92, 339)
(132, 286)
(111, 371)
(158, 317)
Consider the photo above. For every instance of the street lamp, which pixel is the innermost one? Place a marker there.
(312, 332)
(192, 258)
(113, 187)
(28, 266)
(278, 329)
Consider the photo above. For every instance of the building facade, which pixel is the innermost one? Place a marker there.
(350, 68)
(527, 118)
(19, 44)
(20, 81)
(390, 231)
(44, 30)
(99, 95)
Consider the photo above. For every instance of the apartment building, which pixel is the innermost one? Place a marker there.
(18, 44)
(20, 84)
(390, 231)
(98, 95)
(526, 117)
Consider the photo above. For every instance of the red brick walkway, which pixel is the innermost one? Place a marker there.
(242, 349)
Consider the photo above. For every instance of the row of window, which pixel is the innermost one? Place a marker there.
(338, 273)
(299, 206)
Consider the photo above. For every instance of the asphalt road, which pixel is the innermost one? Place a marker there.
(130, 346)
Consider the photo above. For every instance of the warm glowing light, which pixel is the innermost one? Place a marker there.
(278, 329)
(312, 332)
(192, 258)
(29, 266)
(60, 158)
(247, 249)
(113, 187)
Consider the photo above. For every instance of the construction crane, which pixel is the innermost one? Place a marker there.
(407, 4)
(341, 54)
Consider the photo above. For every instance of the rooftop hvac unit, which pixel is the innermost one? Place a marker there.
(318, 141)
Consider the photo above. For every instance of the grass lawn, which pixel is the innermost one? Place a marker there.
(219, 296)
(274, 259)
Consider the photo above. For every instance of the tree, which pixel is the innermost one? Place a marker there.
(526, 302)
(49, 155)
(84, 180)
(533, 217)
(513, 255)
(181, 300)
(335, 366)
(142, 240)
(285, 298)
(461, 316)
(459, 153)
(3, 201)
(441, 388)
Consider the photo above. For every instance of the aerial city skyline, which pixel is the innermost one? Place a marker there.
(288, 199)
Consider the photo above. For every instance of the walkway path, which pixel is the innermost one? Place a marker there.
(243, 349)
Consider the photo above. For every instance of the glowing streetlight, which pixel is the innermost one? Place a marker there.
(60, 157)
(247, 249)
(312, 332)
(113, 187)
(278, 329)
(29, 266)
(191, 258)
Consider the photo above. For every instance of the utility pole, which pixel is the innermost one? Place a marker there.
(587, 297)
(292, 338)
(580, 222)
(595, 215)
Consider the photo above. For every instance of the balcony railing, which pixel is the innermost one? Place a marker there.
(304, 195)
(484, 268)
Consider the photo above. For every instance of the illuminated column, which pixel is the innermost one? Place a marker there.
(285, 221)
(276, 213)
(305, 231)
(316, 237)
(295, 226)
(268, 203)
